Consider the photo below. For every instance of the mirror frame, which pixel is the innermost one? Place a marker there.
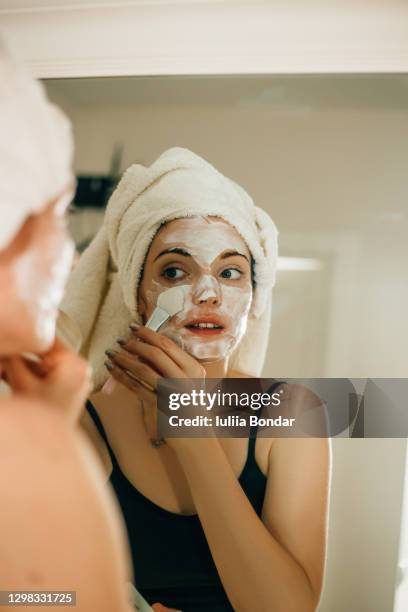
(58, 39)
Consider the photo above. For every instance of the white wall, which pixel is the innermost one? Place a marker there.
(364, 525)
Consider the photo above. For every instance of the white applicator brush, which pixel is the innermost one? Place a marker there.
(169, 303)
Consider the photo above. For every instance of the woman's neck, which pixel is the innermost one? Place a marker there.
(222, 369)
(217, 369)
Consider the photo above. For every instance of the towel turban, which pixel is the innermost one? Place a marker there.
(35, 148)
(102, 291)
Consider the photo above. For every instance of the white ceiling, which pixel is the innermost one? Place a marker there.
(291, 92)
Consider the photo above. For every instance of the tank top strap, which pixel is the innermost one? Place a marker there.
(98, 423)
(254, 429)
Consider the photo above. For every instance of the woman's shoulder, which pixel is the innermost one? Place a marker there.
(30, 418)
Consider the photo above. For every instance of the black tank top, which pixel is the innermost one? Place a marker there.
(172, 561)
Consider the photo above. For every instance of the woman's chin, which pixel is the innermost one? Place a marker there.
(208, 352)
(33, 330)
(44, 332)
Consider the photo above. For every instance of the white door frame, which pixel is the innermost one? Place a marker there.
(85, 38)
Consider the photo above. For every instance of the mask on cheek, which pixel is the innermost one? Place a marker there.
(234, 310)
(40, 276)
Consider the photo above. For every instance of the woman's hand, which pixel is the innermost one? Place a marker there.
(59, 376)
(157, 607)
(146, 357)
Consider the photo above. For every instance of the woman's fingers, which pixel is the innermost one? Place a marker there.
(135, 367)
(158, 607)
(69, 382)
(146, 357)
(130, 382)
(155, 356)
(36, 368)
(189, 366)
(19, 376)
(66, 385)
(57, 351)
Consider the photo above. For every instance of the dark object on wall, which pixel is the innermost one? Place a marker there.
(94, 191)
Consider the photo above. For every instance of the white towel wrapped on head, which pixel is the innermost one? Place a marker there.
(35, 148)
(102, 292)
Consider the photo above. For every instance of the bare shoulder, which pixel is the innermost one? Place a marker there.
(39, 447)
(28, 420)
(305, 463)
(34, 435)
(58, 527)
(298, 450)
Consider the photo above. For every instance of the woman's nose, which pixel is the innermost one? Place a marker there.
(207, 291)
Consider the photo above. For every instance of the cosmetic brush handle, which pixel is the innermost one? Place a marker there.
(158, 317)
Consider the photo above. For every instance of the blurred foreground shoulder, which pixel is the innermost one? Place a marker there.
(60, 528)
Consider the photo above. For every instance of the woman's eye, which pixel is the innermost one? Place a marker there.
(231, 274)
(173, 273)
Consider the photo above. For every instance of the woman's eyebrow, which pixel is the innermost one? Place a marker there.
(177, 250)
(232, 254)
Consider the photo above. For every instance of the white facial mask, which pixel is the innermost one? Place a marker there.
(40, 276)
(206, 239)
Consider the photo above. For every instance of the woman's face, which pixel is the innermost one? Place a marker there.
(38, 263)
(211, 262)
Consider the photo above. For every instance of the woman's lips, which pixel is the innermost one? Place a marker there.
(205, 331)
(205, 326)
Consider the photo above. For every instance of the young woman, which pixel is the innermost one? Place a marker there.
(59, 529)
(213, 524)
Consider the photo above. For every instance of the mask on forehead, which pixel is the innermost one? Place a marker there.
(208, 295)
(205, 237)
